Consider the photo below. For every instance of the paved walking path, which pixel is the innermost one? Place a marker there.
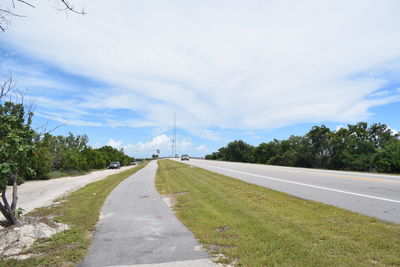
(138, 228)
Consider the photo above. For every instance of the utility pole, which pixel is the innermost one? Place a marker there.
(174, 138)
(174, 134)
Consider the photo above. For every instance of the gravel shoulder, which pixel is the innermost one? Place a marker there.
(35, 194)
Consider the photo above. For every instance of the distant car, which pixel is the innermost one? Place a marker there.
(184, 157)
(114, 165)
(134, 163)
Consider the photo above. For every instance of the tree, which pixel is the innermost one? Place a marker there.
(213, 156)
(358, 150)
(319, 144)
(113, 154)
(388, 159)
(9, 11)
(238, 151)
(265, 151)
(16, 146)
(42, 161)
(381, 135)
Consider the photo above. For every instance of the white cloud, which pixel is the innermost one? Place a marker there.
(146, 149)
(394, 131)
(114, 143)
(222, 64)
(60, 118)
(183, 145)
(380, 93)
(340, 127)
(202, 148)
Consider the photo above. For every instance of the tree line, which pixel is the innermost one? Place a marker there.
(31, 155)
(70, 154)
(357, 147)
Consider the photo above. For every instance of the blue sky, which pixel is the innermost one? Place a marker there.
(254, 70)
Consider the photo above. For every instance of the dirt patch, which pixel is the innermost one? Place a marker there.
(172, 198)
(181, 193)
(67, 264)
(48, 222)
(88, 234)
(214, 248)
(24, 256)
(19, 237)
(218, 257)
(223, 229)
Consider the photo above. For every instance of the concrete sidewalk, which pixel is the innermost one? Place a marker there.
(138, 228)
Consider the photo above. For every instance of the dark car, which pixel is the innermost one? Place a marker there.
(114, 165)
(185, 157)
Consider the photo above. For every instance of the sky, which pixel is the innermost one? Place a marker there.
(250, 70)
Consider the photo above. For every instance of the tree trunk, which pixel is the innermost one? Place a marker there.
(6, 209)
(15, 193)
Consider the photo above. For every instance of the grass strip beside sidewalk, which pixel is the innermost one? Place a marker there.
(254, 226)
(80, 210)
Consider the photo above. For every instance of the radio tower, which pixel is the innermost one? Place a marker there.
(174, 138)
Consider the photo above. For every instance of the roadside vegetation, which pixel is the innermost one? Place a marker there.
(358, 147)
(80, 210)
(249, 225)
(57, 156)
(26, 154)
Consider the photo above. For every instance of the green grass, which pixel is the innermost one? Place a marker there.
(255, 226)
(80, 210)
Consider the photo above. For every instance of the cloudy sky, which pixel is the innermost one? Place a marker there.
(250, 70)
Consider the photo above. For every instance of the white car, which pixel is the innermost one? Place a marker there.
(184, 157)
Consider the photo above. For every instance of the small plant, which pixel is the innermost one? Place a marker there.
(18, 212)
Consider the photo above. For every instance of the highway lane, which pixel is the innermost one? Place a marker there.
(369, 194)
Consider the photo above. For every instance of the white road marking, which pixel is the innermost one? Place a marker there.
(302, 184)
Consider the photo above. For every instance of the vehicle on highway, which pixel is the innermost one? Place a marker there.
(115, 165)
(184, 157)
(134, 163)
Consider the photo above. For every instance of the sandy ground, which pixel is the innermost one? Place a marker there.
(34, 194)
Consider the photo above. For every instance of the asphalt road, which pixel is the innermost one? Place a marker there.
(369, 194)
(138, 228)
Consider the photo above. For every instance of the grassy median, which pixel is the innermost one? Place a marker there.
(249, 225)
(80, 210)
